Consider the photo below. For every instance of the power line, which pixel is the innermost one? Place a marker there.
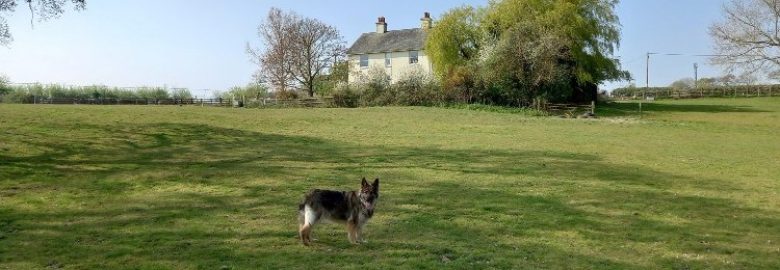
(683, 54)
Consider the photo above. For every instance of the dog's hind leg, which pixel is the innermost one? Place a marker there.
(307, 219)
(305, 233)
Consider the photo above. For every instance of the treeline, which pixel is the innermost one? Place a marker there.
(702, 91)
(28, 92)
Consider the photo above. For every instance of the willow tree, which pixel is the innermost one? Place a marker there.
(456, 39)
(519, 51)
(588, 29)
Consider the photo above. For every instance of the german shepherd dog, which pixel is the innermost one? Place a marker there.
(352, 208)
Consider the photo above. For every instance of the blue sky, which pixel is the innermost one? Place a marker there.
(200, 44)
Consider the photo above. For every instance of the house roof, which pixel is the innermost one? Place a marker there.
(391, 41)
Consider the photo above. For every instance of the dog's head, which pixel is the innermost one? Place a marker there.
(369, 193)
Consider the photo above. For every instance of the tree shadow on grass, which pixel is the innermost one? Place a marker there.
(197, 196)
(632, 108)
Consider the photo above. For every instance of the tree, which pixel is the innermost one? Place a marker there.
(297, 50)
(456, 40)
(45, 9)
(707, 82)
(180, 93)
(315, 45)
(528, 63)
(747, 39)
(683, 84)
(275, 62)
(338, 73)
(4, 89)
(519, 51)
(727, 80)
(590, 30)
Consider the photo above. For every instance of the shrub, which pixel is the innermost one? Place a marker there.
(286, 94)
(4, 87)
(415, 89)
(375, 88)
(250, 92)
(459, 85)
(344, 95)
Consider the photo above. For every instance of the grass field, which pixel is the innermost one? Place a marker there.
(692, 185)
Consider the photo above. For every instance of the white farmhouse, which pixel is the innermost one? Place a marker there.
(398, 52)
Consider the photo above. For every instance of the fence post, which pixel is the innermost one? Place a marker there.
(593, 107)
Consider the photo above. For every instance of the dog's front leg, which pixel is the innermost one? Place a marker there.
(360, 238)
(352, 232)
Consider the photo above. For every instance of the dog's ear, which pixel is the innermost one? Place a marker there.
(376, 185)
(364, 183)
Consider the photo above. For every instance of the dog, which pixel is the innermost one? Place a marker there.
(353, 208)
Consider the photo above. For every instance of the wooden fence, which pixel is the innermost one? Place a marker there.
(136, 101)
(570, 110)
(268, 102)
(703, 92)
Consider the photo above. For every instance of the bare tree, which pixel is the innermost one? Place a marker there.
(275, 62)
(749, 37)
(316, 44)
(45, 9)
(297, 50)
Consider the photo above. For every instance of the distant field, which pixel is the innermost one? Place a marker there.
(692, 185)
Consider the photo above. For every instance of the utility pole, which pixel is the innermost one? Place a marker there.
(647, 84)
(696, 79)
(647, 76)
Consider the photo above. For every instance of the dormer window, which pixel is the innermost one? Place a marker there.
(364, 61)
(413, 57)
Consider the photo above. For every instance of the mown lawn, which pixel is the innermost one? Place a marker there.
(692, 185)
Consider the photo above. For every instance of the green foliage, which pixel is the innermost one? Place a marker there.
(326, 84)
(683, 84)
(589, 29)
(415, 88)
(375, 88)
(180, 93)
(527, 64)
(344, 95)
(26, 93)
(4, 87)
(152, 93)
(498, 109)
(250, 92)
(517, 52)
(717, 90)
(456, 40)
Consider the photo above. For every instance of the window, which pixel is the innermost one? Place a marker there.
(388, 60)
(364, 61)
(413, 57)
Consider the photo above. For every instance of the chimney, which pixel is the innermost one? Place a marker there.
(426, 22)
(381, 25)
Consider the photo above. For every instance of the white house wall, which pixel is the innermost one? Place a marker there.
(399, 65)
